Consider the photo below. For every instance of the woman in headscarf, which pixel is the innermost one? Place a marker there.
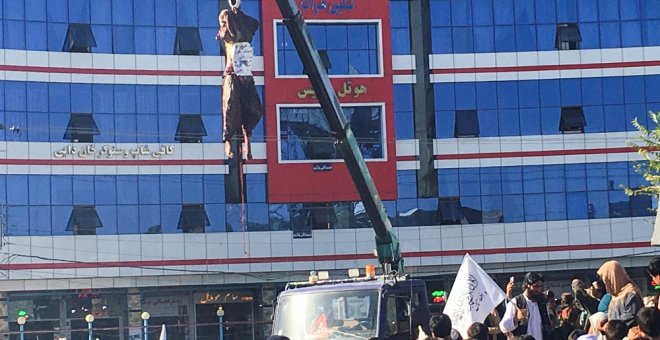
(626, 296)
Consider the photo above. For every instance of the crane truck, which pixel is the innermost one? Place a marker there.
(387, 306)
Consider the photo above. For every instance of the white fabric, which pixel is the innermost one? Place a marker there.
(472, 297)
(163, 333)
(534, 324)
(243, 54)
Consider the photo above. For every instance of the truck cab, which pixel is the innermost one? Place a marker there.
(385, 307)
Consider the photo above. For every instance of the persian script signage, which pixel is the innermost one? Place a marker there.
(112, 151)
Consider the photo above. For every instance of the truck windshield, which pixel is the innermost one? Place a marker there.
(328, 315)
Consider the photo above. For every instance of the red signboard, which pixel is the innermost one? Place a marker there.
(321, 180)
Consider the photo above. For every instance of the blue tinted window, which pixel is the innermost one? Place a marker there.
(189, 99)
(127, 190)
(545, 12)
(553, 176)
(503, 12)
(55, 94)
(18, 220)
(170, 189)
(631, 34)
(61, 190)
(186, 13)
(279, 217)
(15, 96)
(256, 187)
(17, 189)
(165, 39)
(148, 127)
(257, 217)
(513, 208)
(484, 39)
(525, 38)
(615, 118)
(482, 11)
(598, 204)
(555, 206)
(635, 111)
(79, 11)
(617, 175)
(129, 219)
(486, 95)
(512, 180)
(570, 92)
(609, 10)
(214, 191)
(507, 95)
(101, 11)
(509, 122)
(168, 99)
(39, 189)
(16, 119)
(550, 120)
(404, 125)
(57, 11)
(347, 56)
(36, 36)
(125, 127)
(440, 13)
(448, 182)
(37, 123)
(566, 11)
(534, 207)
(524, 12)
(592, 91)
(125, 98)
(60, 216)
(40, 220)
(407, 183)
(35, 10)
(121, 13)
(530, 122)
(491, 181)
(216, 214)
(533, 179)
(14, 9)
(83, 190)
(491, 209)
(149, 219)
(610, 35)
(146, 11)
(167, 127)
(488, 123)
(204, 8)
(461, 13)
(576, 177)
(105, 188)
(469, 181)
(102, 98)
(106, 124)
(590, 36)
(123, 40)
(472, 209)
(634, 89)
(81, 97)
(629, 10)
(169, 218)
(108, 216)
(545, 37)
(588, 10)
(441, 40)
(505, 39)
(597, 177)
(595, 119)
(576, 205)
(466, 97)
(149, 189)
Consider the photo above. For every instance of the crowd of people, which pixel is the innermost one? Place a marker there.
(610, 308)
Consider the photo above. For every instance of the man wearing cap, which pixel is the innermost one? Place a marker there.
(527, 313)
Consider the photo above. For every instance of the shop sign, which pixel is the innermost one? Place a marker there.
(111, 151)
(223, 297)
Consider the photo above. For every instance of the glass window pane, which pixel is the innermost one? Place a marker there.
(534, 207)
(128, 216)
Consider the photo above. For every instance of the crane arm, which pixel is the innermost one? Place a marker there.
(387, 244)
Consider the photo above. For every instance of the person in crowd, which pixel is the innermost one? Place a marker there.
(576, 334)
(654, 271)
(477, 331)
(626, 297)
(527, 313)
(649, 301)
(585, 301)
(565, 300)
(551, 304)
(615, 330)
(604, 304)
(440, 328)
(648, 325)
(568, 318)
(595, 320)
(493, 322)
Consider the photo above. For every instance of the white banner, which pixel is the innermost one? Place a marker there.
(472, 297)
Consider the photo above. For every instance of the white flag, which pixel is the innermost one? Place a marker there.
(655, 237)
(472, 297)
(163, 333)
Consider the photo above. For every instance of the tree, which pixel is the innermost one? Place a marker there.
(648, 148)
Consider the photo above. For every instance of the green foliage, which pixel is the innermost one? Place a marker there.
(648, 147)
